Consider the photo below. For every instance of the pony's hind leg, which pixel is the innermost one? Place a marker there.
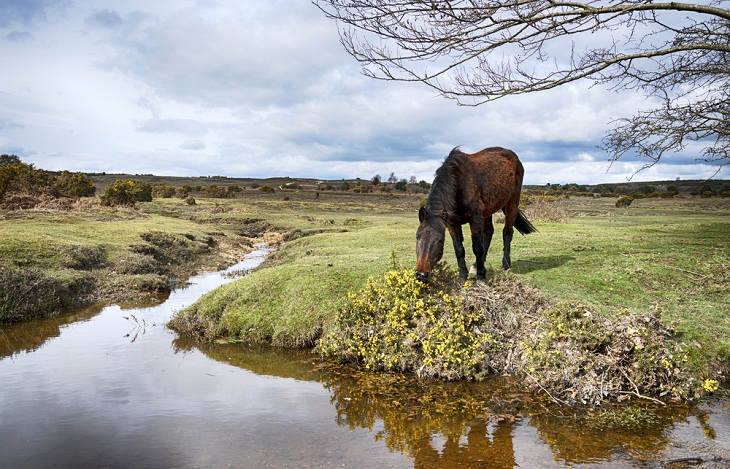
(481, 238)
(457, 236)
(507, 238)
(510, 214)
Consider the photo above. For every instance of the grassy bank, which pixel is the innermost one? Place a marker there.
(52, 260)
(672, 254)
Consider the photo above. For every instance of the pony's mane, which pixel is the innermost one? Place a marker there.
(442, 198)
(456, 151)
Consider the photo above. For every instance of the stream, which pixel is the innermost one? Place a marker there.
(112, 386)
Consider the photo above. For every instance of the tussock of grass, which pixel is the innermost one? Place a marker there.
(544, 208)
(28, 293)
(503, 326)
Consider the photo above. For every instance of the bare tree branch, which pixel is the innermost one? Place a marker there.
(477, 51)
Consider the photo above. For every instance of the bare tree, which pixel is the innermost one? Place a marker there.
(477, 51)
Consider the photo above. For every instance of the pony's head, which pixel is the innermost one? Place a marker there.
(429, 242)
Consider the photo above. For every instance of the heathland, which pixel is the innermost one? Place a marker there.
(667, 255)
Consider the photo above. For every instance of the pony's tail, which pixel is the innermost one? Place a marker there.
(523, 225)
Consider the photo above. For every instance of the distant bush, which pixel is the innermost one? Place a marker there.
(624, 201)
(183, 191)
(27, 181)
(71, 184)
(189, 200)
(267, 189)
(23, 177)
(216, 192)
(232, 190)
(161, 191)
(127, 192)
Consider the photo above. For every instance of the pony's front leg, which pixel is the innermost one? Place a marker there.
(457, 236)
(481, 238)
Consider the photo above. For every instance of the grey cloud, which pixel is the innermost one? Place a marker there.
(19, 36)
(177, 126)
(26, 11)
(105, 19)
(7, 123)
(232, 61)
(193, 145)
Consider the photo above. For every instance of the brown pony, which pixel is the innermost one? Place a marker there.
(469, 189)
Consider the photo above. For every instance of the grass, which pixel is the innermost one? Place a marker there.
(674, 254)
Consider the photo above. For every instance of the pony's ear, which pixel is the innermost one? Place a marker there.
(421, 214)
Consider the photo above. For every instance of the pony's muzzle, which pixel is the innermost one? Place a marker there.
(422, 276)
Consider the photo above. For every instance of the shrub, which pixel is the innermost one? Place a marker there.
(189, 200)
(71, 184)
(127, 192)
(162, 191)
(25, 178)
(267, 189)
(502, 325)
(397, 323)
(183, 191)
(214, 191)
(624, 201)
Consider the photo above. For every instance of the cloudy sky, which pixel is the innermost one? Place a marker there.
(261, 89)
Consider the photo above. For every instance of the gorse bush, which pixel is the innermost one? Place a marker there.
(448, 331)
(624, 201)
(75, 185)
(127, 192)
(17, 177)
(215, 191)
(163, 191)
(397, 323)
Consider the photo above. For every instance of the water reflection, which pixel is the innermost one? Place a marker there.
(496, 424)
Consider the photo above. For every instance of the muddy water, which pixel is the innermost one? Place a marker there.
(113, 387)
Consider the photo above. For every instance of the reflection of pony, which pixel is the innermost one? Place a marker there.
(469, 189)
